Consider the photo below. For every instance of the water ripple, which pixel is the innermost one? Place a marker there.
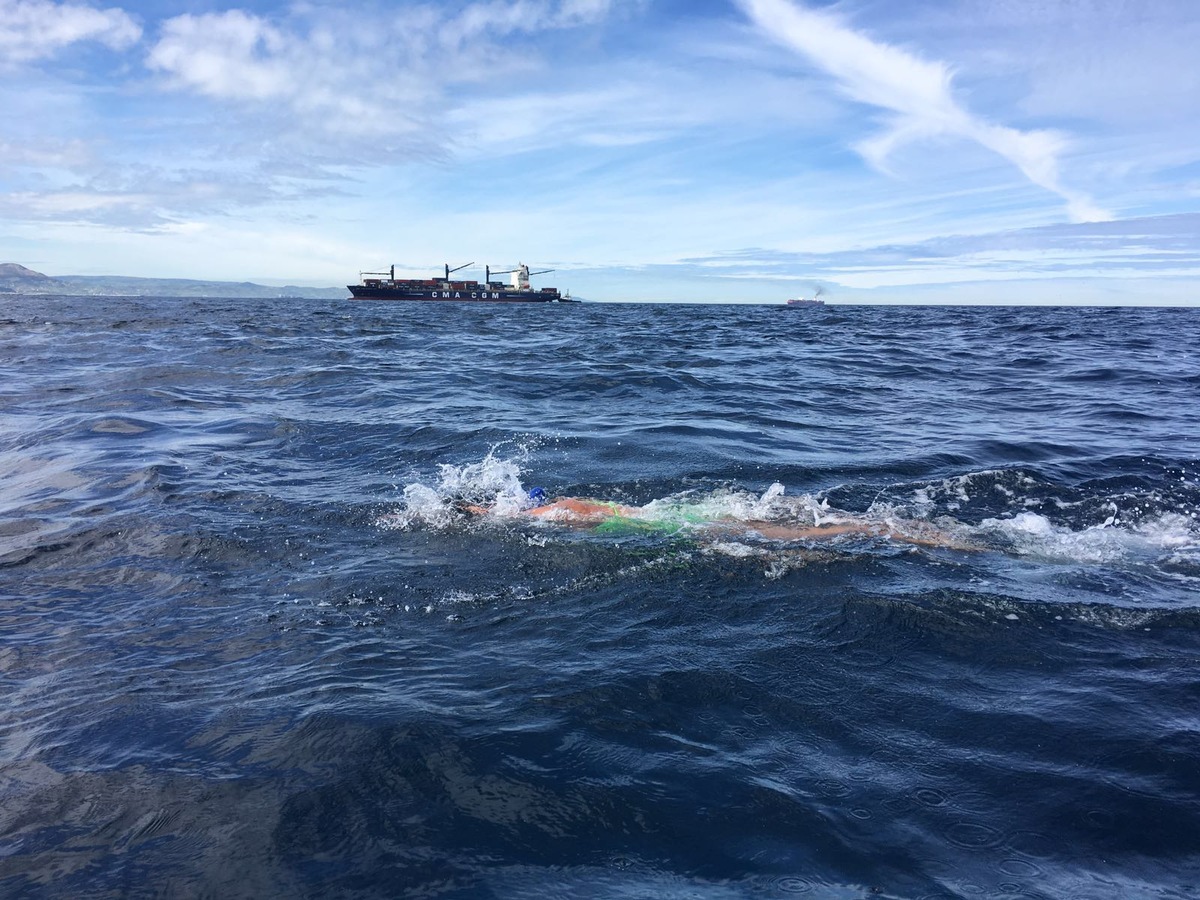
(250, 645)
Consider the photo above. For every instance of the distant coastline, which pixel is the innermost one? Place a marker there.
(17, 279)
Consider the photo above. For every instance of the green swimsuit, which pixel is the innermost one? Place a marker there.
(669, 520)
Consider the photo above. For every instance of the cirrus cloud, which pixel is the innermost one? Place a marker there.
(917, 93)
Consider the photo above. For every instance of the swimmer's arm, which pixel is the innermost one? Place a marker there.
(572, 509)
(779, 532)
(925, 537)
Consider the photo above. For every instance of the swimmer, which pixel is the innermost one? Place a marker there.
(585, 512)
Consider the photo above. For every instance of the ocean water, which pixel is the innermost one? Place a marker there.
(251, 646)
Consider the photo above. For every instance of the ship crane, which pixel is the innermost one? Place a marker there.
(449, 270)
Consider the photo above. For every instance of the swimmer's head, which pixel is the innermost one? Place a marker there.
(537, 496)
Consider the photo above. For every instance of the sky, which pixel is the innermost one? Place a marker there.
(988, 151)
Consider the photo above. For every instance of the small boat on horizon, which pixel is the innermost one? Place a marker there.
(808, 301)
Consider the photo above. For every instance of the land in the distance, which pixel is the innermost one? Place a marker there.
(17, 279)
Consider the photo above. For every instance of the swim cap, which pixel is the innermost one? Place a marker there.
(537, 495)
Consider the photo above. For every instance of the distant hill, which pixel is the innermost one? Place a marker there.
(17, 279)
(14, 272)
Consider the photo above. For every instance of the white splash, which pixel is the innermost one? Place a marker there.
(1031, 534)
(702, 509)
(493, 481)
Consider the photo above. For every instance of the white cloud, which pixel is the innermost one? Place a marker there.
(285, 107)
(45, 153)
(499, 18)
(76, 206)
(335, 73)
(917, 92)
(38, 29)
(1154, 248)
(230, 55)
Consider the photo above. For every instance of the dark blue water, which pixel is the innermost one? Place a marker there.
(250, 647)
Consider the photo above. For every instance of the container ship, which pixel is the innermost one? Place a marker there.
(386, 286)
